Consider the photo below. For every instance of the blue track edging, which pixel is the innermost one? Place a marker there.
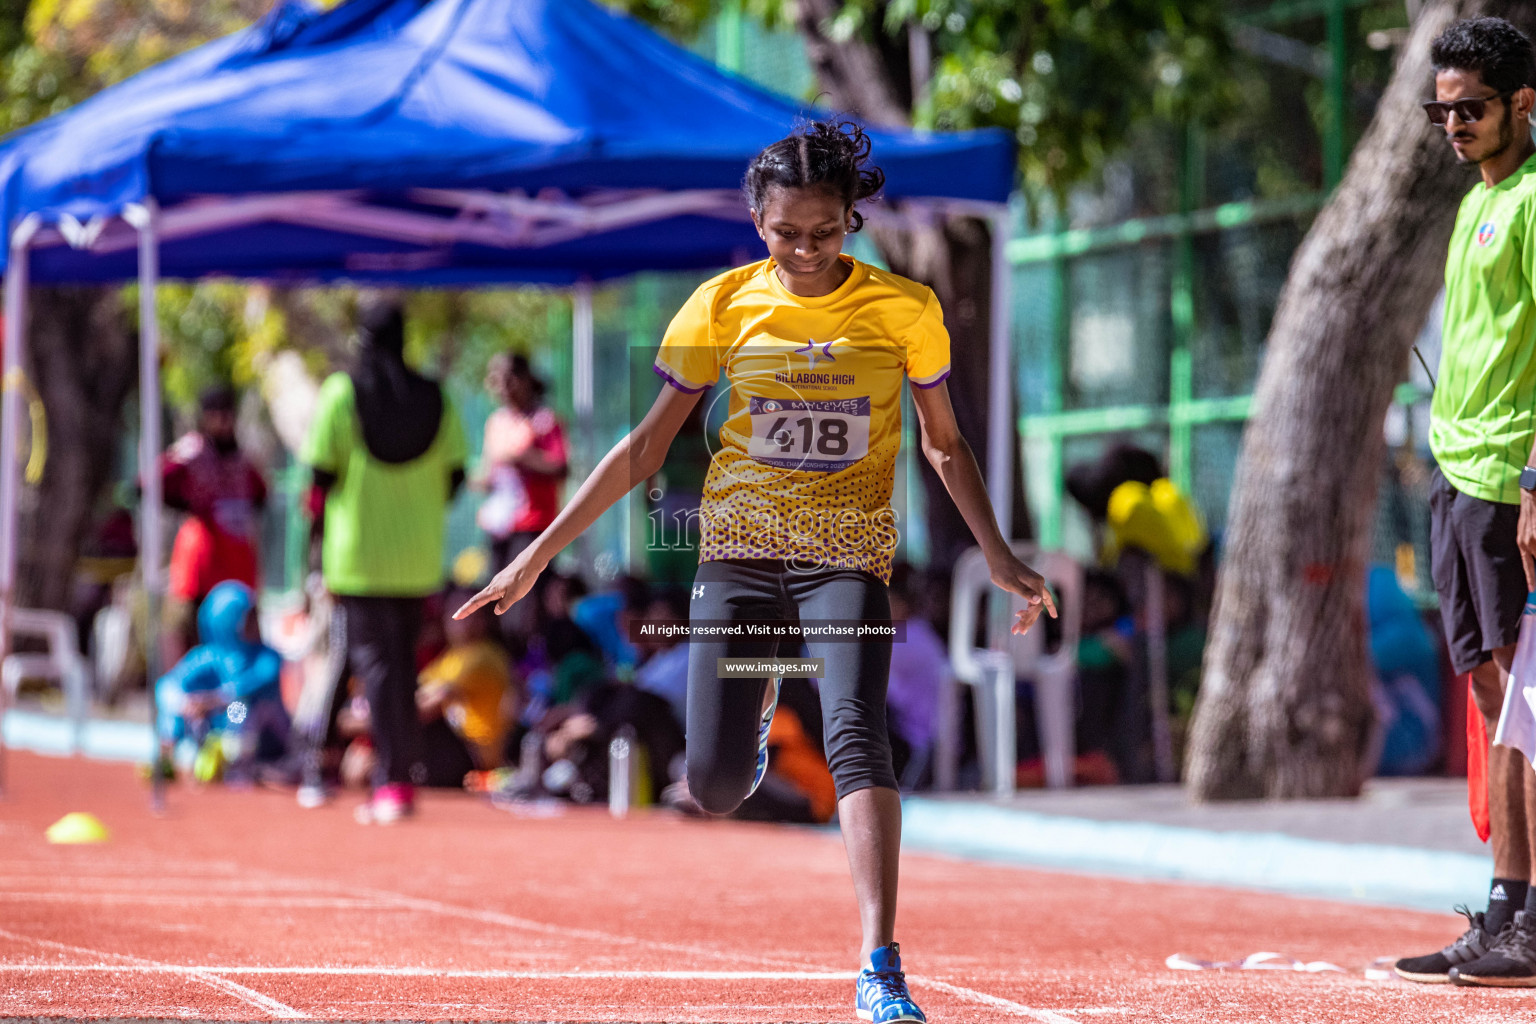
(101, 740)
(1371, 873)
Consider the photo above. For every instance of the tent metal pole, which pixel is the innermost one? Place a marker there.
(15, 341)
(1000, 467)
(144, 216)
(1000, 487)
(583, 342)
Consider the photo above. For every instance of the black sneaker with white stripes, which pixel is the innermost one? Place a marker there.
(1435, 968)
(1511, 963)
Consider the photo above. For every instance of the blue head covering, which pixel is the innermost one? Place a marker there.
(223, 613)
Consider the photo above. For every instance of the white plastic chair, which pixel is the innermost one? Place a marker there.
(991, 670)
(62, 662)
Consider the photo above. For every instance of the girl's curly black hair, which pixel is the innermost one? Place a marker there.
(829, 155)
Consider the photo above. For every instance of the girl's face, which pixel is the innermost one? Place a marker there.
(804, 229)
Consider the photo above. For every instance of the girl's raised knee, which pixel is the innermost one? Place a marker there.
(718, 791)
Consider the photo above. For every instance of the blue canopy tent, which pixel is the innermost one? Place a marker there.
(452, 142)
(425, 143)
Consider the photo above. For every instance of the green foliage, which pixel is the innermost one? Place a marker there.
(454, 333)
(683, 19)
(206, 333)
(680, 17)
(58, 52)
(1068, 78)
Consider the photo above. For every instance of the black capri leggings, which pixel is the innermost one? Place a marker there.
(723, 714)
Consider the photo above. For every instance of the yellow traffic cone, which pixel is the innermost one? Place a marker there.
(78, 827)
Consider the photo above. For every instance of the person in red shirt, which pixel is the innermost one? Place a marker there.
(222, 493)
(523, 462)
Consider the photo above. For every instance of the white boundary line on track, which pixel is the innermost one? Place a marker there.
(383, 899)
(167, 883)
(248, 996)
(430, 972)
(202, 900)
(211, 971)
(494, 917)
(592, 935)
(998, 1002)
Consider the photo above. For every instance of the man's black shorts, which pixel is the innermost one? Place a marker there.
(1477, 570)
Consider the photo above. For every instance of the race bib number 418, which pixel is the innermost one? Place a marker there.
(820, 436)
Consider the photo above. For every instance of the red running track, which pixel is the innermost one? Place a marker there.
(240, 905)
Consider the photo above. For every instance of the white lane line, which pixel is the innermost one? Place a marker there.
(800, 967)
(997, 1002)
(385, 899)
(202, 900)
(137, 883)
(430, 972)
(126, 865)
(246, 995)
(353, 898)
(587, 934)
(340, 971)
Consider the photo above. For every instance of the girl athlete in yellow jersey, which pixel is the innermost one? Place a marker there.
(795, 521)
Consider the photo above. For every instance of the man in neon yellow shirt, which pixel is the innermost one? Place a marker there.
(1482, 432)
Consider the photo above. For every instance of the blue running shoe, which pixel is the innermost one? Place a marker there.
(762, 736)
(882, 992)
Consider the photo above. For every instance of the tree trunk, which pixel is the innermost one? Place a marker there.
(1284, 707)
(955, 259)
(82, 359)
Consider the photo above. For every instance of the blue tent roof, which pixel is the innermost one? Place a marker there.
(392, 112)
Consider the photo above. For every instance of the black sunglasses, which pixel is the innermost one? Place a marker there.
(1467, 111)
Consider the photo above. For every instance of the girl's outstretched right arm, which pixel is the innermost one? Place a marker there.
(638, 456)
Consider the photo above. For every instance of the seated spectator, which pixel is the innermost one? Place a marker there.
(603, 617)
(1092, 484)
(1104, 656)
(1146, 530)
(563, 660)
(1133, 505)
(663, 668)
(919, 667)
(226, 689)
(1406, 683)
(464, 698)
(577, 737)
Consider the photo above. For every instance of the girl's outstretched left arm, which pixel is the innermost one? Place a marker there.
(951, 457)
